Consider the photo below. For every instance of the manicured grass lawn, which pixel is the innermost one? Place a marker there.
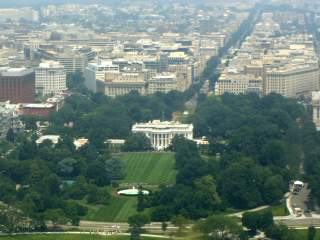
(149, 168)
(69, 237)
(280, 210)
(303, 234)
(118, 210)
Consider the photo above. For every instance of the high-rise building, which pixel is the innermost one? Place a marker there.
(17, 85)
(50, 78)
(97, 71)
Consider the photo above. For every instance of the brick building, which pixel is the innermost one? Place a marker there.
(37, 109)
(17, 85)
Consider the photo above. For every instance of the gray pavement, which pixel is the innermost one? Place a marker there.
(300, 200)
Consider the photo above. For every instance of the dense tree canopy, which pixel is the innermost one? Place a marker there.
(257, 145)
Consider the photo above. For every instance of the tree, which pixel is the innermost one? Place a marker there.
(164, 226)
(10, 135)
(27, 150)
(281, 232)
(69, 167)
(73, 211)
(257, 220)
(140, 204)
(77, 190)
(189, 164)
(56, 216)
(273, 189)
(241, 183)
(139, 220)
(98, 196)
(162, 213)
(136, 222)
(10, 219)
(114, 168)
(218, 228)
(181, 222)
(312, 233)
(75, 80)
(97, 172)
(137, 142)
(251, 220)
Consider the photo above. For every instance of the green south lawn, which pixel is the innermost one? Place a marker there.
(303, 234)
(149, 169)
(68, 237)
(119, 209)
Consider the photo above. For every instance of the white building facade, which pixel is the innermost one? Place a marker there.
(292, 81)
(9, 119)
(162, 133)
(162, 83)
(50, 78)
(316, 109)
(97, 71)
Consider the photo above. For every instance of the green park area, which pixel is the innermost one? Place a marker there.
(148, 169)
(68, 237)
(280, 209)
(303, 234)
(119, 209)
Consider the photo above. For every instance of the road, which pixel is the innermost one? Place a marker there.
(239, 214)
(91, 226)
(81, 233)
(299, 200)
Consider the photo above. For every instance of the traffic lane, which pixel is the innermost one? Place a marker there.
(300, 200)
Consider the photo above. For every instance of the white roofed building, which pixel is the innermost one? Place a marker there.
(50, 78)
(316, 109)
(161, 133)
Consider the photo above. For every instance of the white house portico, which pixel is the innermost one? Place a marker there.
(162, 133)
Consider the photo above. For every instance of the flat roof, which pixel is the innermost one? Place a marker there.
(38, 105)
(15, 72)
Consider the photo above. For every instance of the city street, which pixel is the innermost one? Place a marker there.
(300, 199)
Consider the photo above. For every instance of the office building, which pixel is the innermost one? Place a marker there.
(51, 78)
(162, 83)
(121, 83)
(184, 75)
(238, 84)
(292, 81)
(96, 71)
(17, 85)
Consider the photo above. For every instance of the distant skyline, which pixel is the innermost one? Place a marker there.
(35, 3)
(21, 3)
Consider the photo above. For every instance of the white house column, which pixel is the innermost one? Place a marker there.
(157, 139)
